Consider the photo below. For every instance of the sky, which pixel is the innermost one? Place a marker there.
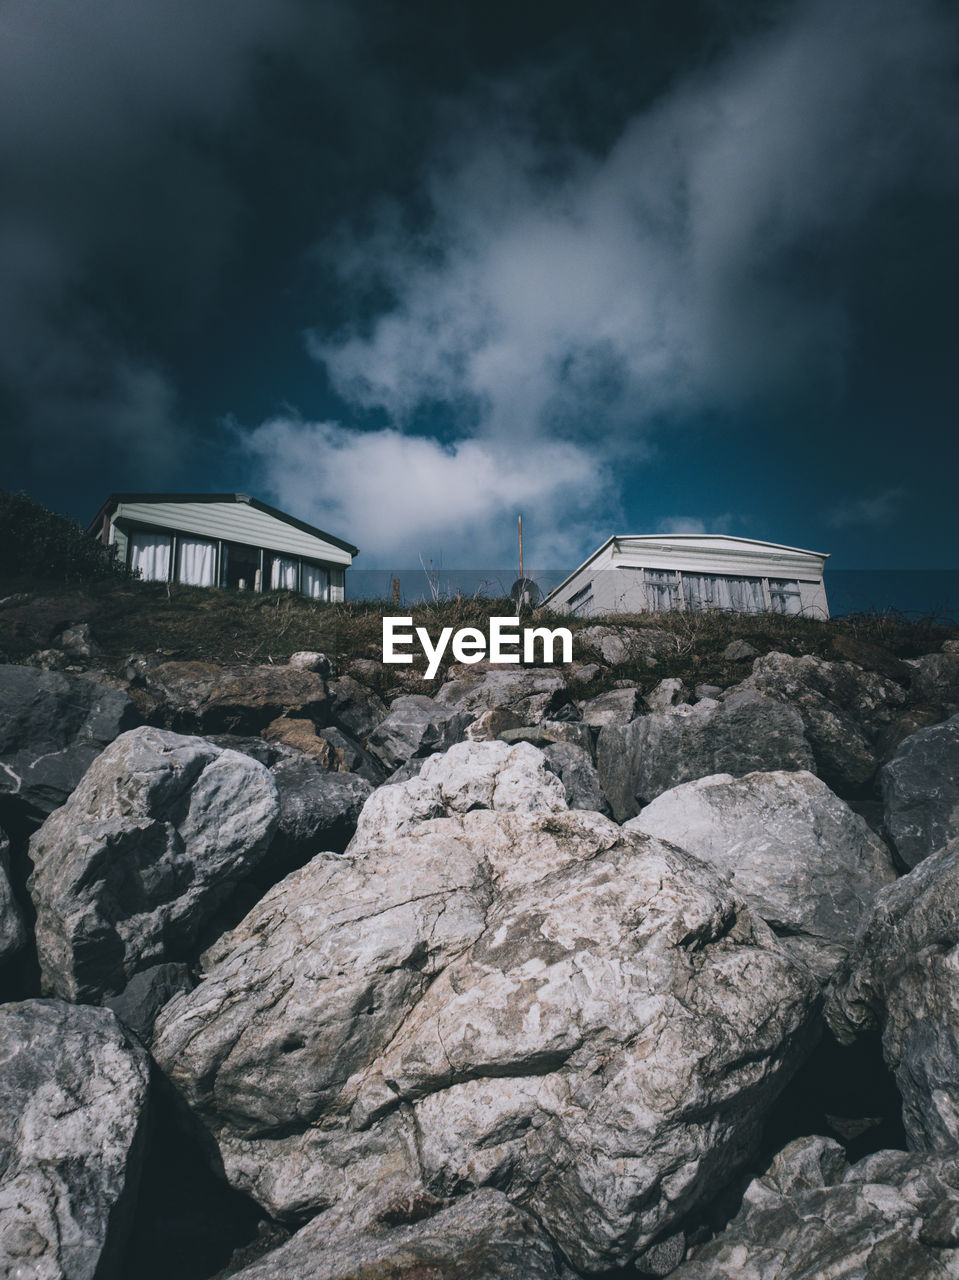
(409, 269)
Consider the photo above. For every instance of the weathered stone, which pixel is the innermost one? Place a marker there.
(950, 646)
(489, 724)
(200, 697)
(73, 1091)
(811, 1216)
(844, 711)
(416, 726)
(471, 775)
(531, 693)
(740, 651)
(574, 767)
(318, 809)
(52, 728)
(936, 679)
(901, 976)
(12, 932)
(667, 695)
(920, 715)
(301, 736)
(871, 657)
(616, 706)
(355, 708)
(547, 731)
(347, 756)
(616, 645)
(583, 673)
(920, 791)
(801, 858)
(638, 761)
(159, 831)
(481, 1236)
(78, 641)
(711, 691)
(586, 1019)
(310, 660)
(146, 993)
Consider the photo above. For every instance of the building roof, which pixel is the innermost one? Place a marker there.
(116, 498)
(686, 541)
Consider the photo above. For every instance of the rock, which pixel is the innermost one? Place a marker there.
(530, 693)
(890, 1216)
(310, 660)
(844, 711)
(575, 769)
(711, 691)
(936, 679)
(73, 1093)
(638, 761)
(950, 646)
(662, 1258)
(416, 726)
(617, 645)
(920, 792)
(740, 651)
(489, 724)
(355, 708)
(471, 775)
(199, 697)
(366, 669)
(586, 1019)
(667, 694)
(801, 858)
(616, 706)
(347, 756)
(547, 731)
(481, 1236)
(871, 657)
(78, 641)
(146, 993)
(918, 716)
(12, 931)
(583, 673)
(301, 735)
(52, 728)
(318, 809)
(157, 834)
(901, 977)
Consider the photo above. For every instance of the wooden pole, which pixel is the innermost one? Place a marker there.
(521, 548)
(396, 593)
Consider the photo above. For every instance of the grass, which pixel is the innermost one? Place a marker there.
(223, 626)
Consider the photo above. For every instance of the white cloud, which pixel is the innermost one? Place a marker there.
(879, 510)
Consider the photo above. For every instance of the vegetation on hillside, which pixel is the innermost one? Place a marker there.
(37, 543)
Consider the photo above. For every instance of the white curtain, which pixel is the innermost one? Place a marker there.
(784, 596)
(283, 574)
(662, 589)
(150, 553)
(315, 582)
(196, 562)
(703, 591)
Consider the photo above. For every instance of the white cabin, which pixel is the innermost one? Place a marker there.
(222, 540)
(641, 573)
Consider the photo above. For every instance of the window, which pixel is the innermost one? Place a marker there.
(196, 561)
(150, 555)
(239, 565)
(784, 596)
(582, 602)
(283, 574)
(315, 582)
(662, 589)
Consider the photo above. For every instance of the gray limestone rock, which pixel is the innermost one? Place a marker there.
(585, 1019)
(318, 808)
(12, 932)
(159, 831)
(920, 791)
(355, 708)
(902, 977)
(667, 695)
(52, 727)
(617, 645)
(638, 761)
(575, 769)
(349, 757)
(891, 1216)
(531, 693)
(146, 993)
(936, 679)
(616, 706)
(73, 1092)
(201, 697)
(801, 858)
(740, 651)
(416, 726)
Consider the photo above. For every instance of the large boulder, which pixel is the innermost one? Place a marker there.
(73, 1092)
(471, 775)
(845, 712)
(201, 697)
(318, 809)
(797, 853)
(640, 760)
(52, 727)
(585, 1019)
(416, 726)
(891, 1216)
(615, 706)
(481, 1236)
(530, 693)
(902, 977)
(574, 767)
(157, 834)
(936, 679)
(355, 708)
(920, 791)
(12, 932)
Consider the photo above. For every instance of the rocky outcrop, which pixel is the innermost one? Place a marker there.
(530, 693)
(481, 1236)
(844, 710)
(200, 697)
(920, 791)
(12, 932)
(616, 645)
(156, 835)
(416, 726)
(638, 761)
(801, 858)
(890, 1216)
(583, 1018)
(574, 767)
(73, 1090)
(52, 728)
(901, 977)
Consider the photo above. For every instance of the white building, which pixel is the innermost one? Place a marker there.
(654, 572)
(222, 539)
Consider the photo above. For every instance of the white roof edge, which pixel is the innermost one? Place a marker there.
(681, 537)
